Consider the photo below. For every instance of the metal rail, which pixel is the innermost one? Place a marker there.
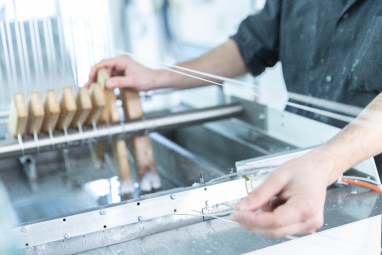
(14, 147)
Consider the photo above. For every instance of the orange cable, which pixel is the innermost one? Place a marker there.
(362, 184)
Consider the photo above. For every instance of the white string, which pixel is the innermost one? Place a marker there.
(334, 106)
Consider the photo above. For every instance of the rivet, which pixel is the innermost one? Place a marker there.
(67, 235)
(24, 230)
(102, 212)
(173, 196)
(140, 218)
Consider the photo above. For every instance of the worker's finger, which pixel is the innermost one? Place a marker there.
(250, 221)
(272, 204)
(284, 215)
(120, 82)
(264, 193)
(119, 64)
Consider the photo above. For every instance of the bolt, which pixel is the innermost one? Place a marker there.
(261, 116)
(102, 211)
(140, 218)
(24, 230)
(201, 177)
(67, 235)
(173, 196)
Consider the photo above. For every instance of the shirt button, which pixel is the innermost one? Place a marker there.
(346, 15)
(328, 78)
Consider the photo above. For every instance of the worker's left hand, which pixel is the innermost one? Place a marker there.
(291, 200)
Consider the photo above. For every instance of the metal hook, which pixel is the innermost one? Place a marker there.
(35, 137)
(51, 138)
(21, 144)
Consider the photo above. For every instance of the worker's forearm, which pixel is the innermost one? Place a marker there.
(358, 141)
(224, 60)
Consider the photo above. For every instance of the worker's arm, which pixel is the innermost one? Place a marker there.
(224, 60)
(292, 198)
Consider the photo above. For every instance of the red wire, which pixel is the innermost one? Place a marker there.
(362, 184)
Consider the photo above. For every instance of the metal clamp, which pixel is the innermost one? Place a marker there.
(66, 137)
(95, 131)
(147, 130)
(21, 144)
(51, 138)
(109, 133)
(35, 137)
(80, 131)
(123, 127)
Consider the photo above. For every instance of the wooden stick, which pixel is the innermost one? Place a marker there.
(18, 116)
(98, 103)
(68, 108)
(84, 107)
(52, 110)
(109, 115)
(141, 146)
(36, 113)
(122, 166)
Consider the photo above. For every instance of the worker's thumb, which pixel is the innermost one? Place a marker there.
(261, 195)
(119, 82)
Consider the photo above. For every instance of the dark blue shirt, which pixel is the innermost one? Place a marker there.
(330, 49)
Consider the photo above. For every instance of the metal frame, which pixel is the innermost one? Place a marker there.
(103, 218)
(12, 148)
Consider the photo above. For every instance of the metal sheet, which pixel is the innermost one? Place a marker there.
(344, 205)
(159, 205)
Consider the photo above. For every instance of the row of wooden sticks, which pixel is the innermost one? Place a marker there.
(95, 106)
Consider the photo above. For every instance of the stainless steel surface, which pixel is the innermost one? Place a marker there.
(344, 205)
(11, 148)
(80, 224)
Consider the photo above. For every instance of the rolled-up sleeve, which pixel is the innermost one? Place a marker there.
(258, 38)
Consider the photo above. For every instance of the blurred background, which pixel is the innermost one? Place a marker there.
(53, 44)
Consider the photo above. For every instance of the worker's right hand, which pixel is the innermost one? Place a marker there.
(125, 72)
(291, 200)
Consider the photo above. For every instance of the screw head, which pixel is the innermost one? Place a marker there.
(120, 252)
(207, 203)
(140, 218)
(102, 211)
(24, 230)
(67, 235)
(173, 196)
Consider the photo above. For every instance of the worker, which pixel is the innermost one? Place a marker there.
(329, 50)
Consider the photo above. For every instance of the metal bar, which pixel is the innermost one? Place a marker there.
(36, 66)
(6, 57)
(39, 56)
(21, 57)
(25, 50)
(100, 219)
(14, 86)
(10, 148)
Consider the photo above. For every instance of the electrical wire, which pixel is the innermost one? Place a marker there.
(362, 184)
(362, 179)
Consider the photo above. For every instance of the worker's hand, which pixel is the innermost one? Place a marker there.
(291, 200)
(125, 72)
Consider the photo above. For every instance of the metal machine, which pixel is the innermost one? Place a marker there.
(66, 215)
(211, 150)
